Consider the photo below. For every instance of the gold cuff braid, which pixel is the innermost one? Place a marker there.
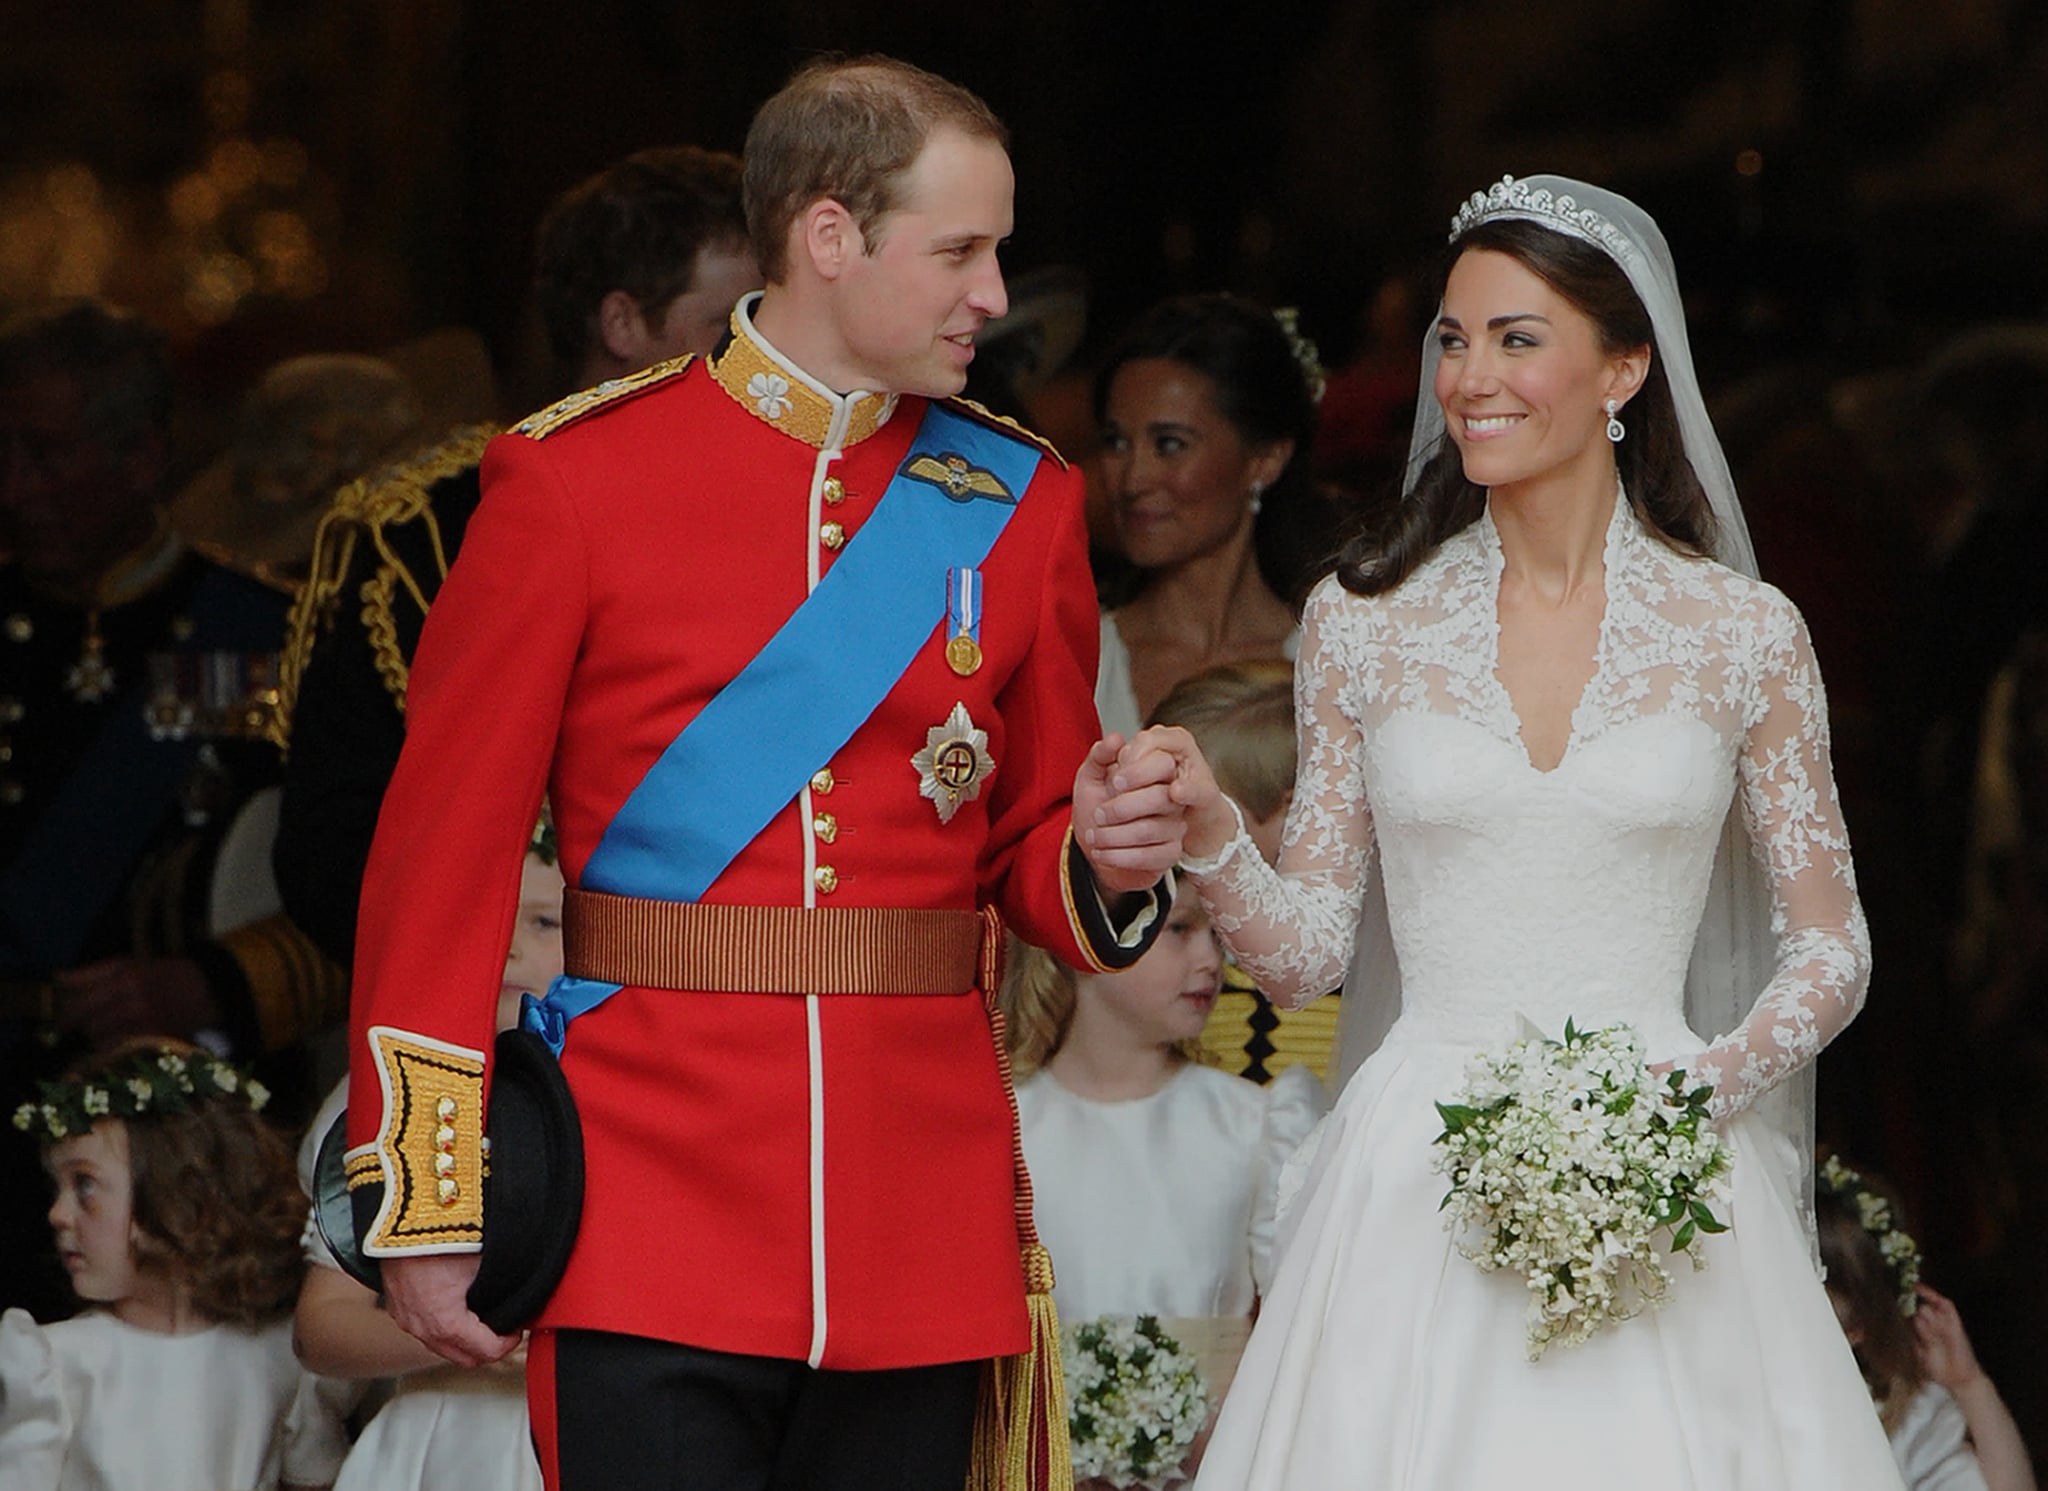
(430, 1143)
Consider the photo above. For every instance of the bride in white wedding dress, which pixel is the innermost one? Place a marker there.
(1526, 715)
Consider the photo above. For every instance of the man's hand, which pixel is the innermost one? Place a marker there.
(1125, 820)
(122, 997)
(1168, 753)
(429, 1296)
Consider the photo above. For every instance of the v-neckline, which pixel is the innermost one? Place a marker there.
(1496, 562)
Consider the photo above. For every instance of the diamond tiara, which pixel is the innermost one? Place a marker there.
(1509, 198)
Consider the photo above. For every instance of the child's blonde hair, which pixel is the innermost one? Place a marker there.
(1242, 716)
(1038, 998)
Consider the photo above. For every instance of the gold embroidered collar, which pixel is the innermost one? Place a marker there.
(778, 392)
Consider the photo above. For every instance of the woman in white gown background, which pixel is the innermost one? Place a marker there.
(1524, 715)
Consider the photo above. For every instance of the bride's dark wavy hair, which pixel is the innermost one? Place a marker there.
(1659, 480)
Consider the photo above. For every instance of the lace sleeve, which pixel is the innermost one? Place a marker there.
(1794, 820)
(1292, 929)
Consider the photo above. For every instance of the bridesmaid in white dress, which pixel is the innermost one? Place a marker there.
(1153, 1177)
(1525, 714)
(175, 1221)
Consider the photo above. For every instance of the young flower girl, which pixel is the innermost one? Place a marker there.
(178, 1223)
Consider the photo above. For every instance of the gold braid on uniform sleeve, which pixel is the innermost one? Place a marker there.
(368, 507)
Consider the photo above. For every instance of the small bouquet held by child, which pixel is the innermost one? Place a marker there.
(1567, 1159)
(1137, 1400)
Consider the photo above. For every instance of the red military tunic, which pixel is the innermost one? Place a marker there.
(816, 1178)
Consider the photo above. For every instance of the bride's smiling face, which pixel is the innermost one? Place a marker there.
(1523, 378)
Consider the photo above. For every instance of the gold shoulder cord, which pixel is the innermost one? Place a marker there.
(988, 416)
(369, 506)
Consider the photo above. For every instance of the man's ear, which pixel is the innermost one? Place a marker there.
(828, 237)
(621, 327)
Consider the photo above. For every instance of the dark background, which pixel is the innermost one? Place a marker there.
(1849, 186)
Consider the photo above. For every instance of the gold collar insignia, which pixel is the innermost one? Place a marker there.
(777, 392)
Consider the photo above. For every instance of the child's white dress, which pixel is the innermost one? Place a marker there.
(93, 1404)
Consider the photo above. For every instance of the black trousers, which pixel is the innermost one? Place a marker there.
(629, 1414)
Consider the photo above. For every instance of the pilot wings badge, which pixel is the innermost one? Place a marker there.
(953, 764)
(959, 480)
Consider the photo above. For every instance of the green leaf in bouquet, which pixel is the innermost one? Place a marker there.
(1702, 1095)
(1457, 1118)
(1622, 1101)
(1704, 1216)
(1682, 1238)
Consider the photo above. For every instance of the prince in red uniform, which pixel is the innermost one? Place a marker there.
(802, 651)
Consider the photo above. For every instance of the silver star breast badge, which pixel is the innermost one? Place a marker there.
(953, 764)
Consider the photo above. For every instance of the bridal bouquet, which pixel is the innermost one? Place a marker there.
(1137, 1400)
(1567, 1159)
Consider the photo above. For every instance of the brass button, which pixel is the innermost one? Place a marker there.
(822, 780)
(826, 878)
(825, 826)
(12, 792)
(20, 628)
(11, 711)
(835, 491)
(832, 536)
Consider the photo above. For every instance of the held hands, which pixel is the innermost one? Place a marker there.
(1140, 805)
(429, 1296)
(1125, 819)
(1168, 753)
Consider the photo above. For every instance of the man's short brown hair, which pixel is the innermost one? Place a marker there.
(846, 128)
(638, 226)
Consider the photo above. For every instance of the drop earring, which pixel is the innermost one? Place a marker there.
(1614, 429)
(1258, 497)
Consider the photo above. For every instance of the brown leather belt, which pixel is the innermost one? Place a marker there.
(769, 949)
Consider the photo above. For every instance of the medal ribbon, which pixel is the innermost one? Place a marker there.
(750, 751)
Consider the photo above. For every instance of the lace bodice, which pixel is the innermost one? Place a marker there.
(1574, 892)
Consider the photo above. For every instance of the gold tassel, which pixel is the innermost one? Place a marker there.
(1020, 1424)
(1020, 1421)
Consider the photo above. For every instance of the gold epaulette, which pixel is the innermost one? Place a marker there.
(392, 494)
(429, 1146)
(580, 405)
(982, 414)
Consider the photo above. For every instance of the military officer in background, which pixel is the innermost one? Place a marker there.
(638, 263)
(801, 649)
(136, 677)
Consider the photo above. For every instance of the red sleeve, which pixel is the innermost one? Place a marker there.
(1035, 875)
(441, 891)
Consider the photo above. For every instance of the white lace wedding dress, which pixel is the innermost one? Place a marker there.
(1382, 1358)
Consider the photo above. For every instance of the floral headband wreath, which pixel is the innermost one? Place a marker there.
(148, 1081)
(1874, 1214)
(1313, 376)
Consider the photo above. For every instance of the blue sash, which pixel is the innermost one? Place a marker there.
(802, 697)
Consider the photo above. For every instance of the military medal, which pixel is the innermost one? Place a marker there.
(953, 764)
(91, 678)
(963, 619)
